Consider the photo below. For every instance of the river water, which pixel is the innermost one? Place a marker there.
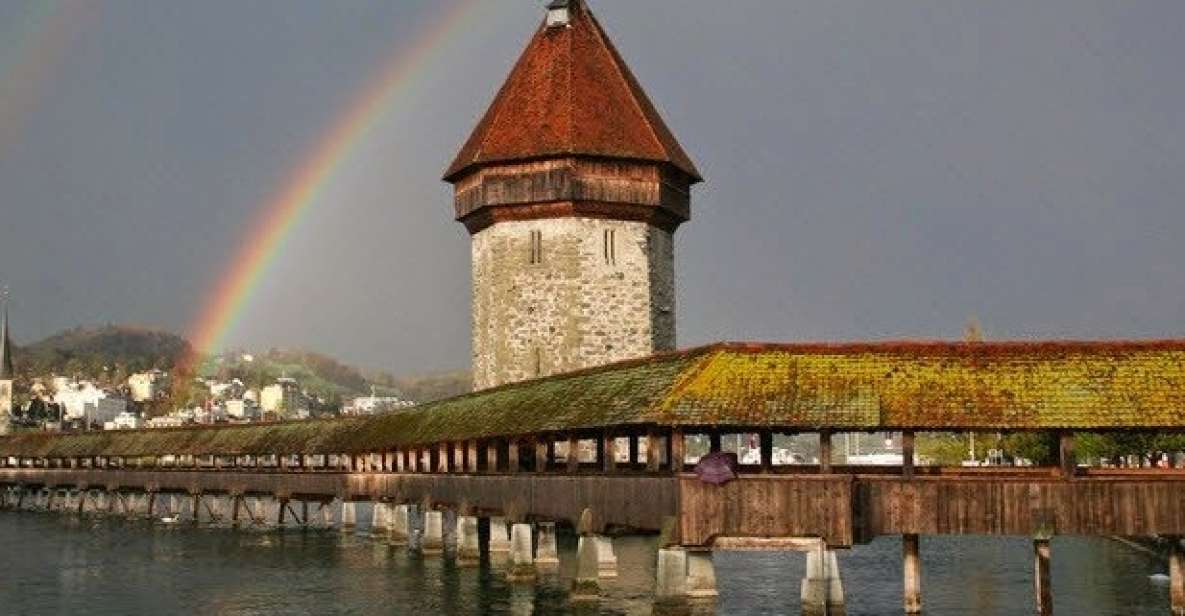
(56, 564)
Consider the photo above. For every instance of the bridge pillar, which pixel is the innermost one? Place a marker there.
(606, 559)
(468, 550)
(547, 552)
(701, 575)
(1177, 576)
(912, 564)
(432, 541)
(822, 588)
(380, 519)
(349, 515)
(586, 586)
(1041, 583)
(499, 536)
(670, 588)
(400, 525)
(522, 557)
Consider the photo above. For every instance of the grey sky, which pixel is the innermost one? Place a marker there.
(874, 169)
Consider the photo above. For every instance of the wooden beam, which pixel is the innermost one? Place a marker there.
(492, 456)
(912, 565)
(824, 451)
(512, 461)
(573, 454)
(677, 451)
(1042, 590)
(766, 440)
(907, 442)
(1069, 462)
(653, 451)
(1177, 576)
(471, 462)
(607, 452)
(541, 454)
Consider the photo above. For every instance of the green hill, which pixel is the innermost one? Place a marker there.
(96, 352)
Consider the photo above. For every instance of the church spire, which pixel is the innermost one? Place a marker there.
(6, 371)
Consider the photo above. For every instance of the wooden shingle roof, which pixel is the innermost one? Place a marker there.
(571, 94)
(857, 387)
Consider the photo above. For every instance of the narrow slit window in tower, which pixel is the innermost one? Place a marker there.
(611, 246)
(536, 247)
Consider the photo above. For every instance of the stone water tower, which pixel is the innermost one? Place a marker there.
(572, 188)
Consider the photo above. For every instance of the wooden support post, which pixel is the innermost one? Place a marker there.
(573, 455)
(907, 441)
(1066, 455)
(912, 565)
(458, 456)
(443, 454)
(512, 456)
(1041, 587)
(471, 456)
(541, 454)
(633, 444)
(677, 451)
(607, 452)
(824, 451)
(766, 439)
(492, 456)
(1177, 576)
(714, 441)
(653, 451)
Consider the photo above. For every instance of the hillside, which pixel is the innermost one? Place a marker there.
(109, 353)
(92, 351)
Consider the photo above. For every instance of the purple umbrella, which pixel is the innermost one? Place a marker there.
(717, 468)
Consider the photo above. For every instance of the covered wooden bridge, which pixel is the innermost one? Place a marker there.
(611, 445)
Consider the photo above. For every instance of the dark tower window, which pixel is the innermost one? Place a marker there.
(611, 246)
(536, 247)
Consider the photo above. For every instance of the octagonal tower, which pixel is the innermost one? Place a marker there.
(571, 187)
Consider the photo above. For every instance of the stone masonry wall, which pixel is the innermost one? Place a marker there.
(574, 309)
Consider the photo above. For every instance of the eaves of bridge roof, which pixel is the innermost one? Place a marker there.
(884, 386)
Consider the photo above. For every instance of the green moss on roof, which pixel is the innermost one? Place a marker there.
(925, 386)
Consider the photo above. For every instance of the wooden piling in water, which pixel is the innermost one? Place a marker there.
(912, 565)
(1177, 576)
(1041, 581)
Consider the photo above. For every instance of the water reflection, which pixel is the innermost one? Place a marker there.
(62, 564)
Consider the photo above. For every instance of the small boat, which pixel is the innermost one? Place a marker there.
(1159, 579)
(171, 519)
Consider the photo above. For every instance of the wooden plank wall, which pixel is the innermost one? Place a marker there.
(1020, 506)
(637, 502)
(631, 502)
(767, 506)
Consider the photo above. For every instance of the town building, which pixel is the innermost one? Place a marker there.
(369, 405)
(124, 421)
(242, 410)
(282, 397)
(572, 188)
(166, 421)
(146, 386)
(84, 401)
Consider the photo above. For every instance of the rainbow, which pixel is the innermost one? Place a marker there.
(281, 214)
(34, 44)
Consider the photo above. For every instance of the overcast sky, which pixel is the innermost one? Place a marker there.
(874, 169)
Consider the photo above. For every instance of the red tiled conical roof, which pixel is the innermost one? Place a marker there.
(571, 94)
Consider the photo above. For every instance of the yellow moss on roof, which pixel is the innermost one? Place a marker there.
(864, 387)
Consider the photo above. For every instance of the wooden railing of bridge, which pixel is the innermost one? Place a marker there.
(537, 476)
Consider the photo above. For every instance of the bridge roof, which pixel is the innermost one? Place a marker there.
(858, 387)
